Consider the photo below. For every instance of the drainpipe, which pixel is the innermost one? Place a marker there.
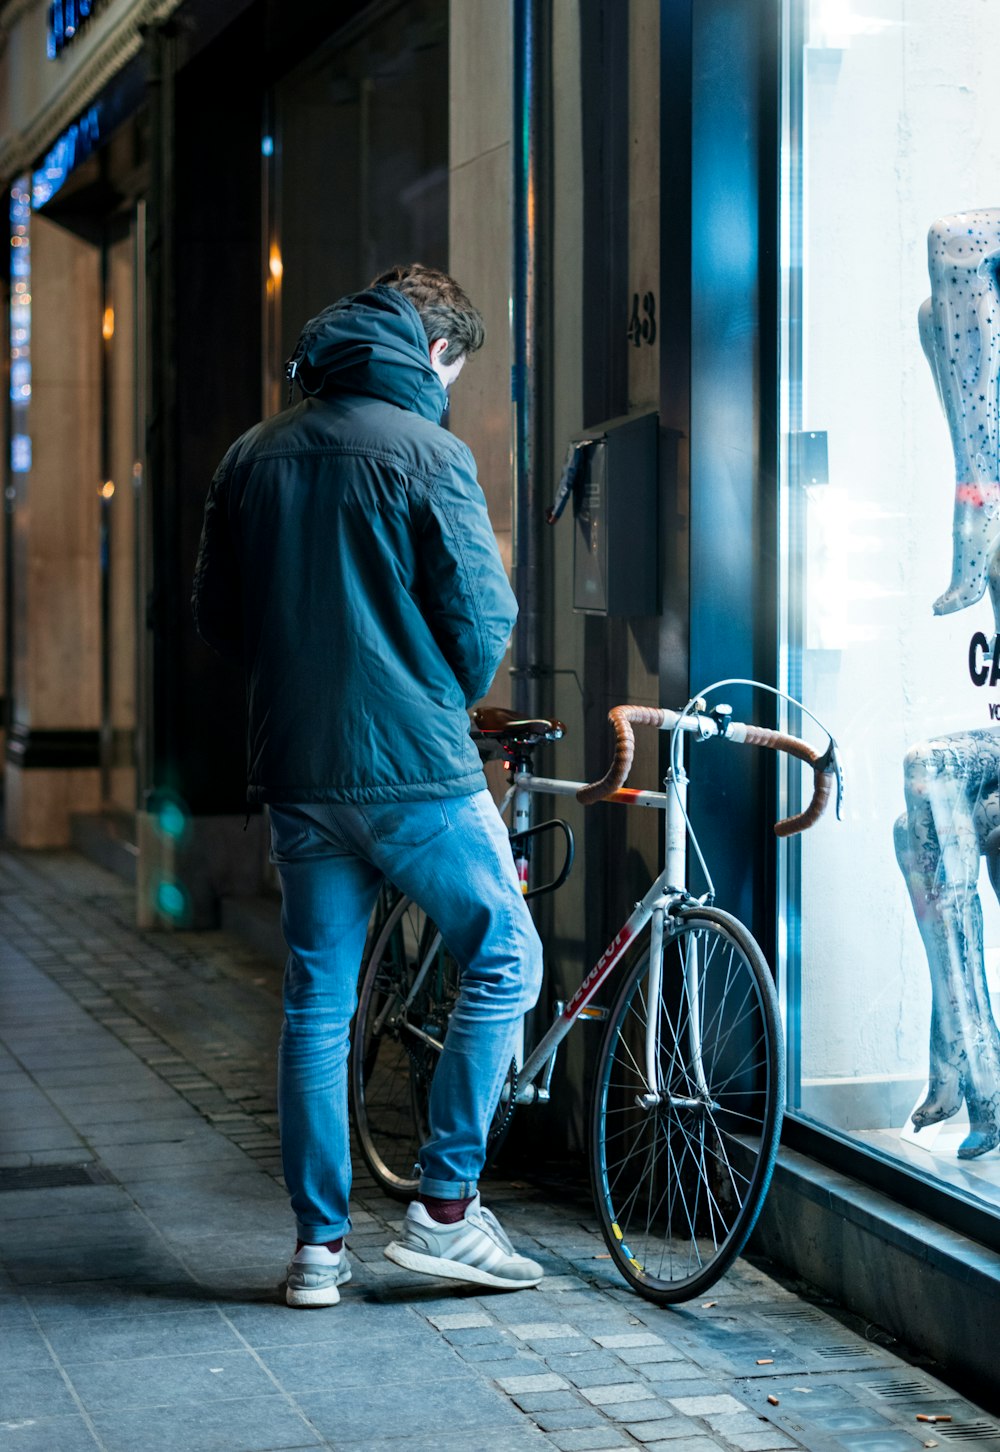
(526, 451)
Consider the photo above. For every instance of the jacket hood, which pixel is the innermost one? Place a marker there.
(374, 343)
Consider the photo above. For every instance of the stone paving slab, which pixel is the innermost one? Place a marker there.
(140, 1301)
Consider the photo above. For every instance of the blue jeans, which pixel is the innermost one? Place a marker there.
(453, 857)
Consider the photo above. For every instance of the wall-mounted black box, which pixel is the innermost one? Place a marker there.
(616, 532)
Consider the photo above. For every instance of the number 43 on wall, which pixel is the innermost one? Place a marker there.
(642, 324)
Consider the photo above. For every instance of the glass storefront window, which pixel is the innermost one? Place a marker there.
(891, 558)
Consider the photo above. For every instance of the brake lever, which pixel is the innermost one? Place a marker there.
(830, 761)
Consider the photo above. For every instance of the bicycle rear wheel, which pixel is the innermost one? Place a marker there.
(680, 1174)
(408, 988)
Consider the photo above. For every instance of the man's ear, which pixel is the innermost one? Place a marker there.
(438, 347)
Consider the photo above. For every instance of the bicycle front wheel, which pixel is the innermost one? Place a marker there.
(687, 1108)
(407, 990)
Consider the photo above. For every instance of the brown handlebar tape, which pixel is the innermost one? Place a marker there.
(822, 780)
(622, 717)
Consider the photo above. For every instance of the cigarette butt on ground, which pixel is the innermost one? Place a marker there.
(774, 1401)
(707, 1305)
(934, 1417)
(765, 1361)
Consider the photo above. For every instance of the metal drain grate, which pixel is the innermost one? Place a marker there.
(798, 1314)
(898, 1391)
(851, 1349)
(967, 1431)
(51, 1177)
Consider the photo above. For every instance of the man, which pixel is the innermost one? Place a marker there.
(347, 561)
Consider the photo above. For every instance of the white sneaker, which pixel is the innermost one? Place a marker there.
(314, 1273)
(474, 1249)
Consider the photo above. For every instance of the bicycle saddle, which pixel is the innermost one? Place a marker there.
(510, 729)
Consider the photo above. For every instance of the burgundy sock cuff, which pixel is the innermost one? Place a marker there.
(333, 1245)
(445, 1212)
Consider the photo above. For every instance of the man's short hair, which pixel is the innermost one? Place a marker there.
(444, 308)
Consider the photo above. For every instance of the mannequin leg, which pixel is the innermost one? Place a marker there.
(950, 797)
(946, 1089)
(961, 340)
(975, 530)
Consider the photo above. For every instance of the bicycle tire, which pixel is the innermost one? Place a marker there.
(391, 1061)
(678, 1186)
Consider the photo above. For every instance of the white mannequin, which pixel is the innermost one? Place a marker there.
(951, 782)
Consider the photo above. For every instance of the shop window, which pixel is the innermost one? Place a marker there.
(891, 573)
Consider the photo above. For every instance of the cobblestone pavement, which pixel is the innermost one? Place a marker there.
(144, 1229)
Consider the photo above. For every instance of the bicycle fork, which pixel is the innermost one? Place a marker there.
(651, 1098)
(675, 831)
(691, 991)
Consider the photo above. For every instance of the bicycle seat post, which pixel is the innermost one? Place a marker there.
(515, 738)
(521, 814)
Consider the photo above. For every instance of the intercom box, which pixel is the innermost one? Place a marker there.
(616, 530)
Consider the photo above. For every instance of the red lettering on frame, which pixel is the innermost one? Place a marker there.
(599, 972)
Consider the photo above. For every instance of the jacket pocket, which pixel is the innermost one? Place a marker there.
(406, 824)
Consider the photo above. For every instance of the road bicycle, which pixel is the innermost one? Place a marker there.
(689, 1088)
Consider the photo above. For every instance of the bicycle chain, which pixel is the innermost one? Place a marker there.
(499, 1129)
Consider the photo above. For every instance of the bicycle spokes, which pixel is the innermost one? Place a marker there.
(683, 1146)
(409, 985)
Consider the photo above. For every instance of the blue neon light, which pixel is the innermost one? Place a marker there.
(74, 146)
(64, 19)
(20, 454)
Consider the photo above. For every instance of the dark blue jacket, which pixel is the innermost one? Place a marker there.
(347, 560)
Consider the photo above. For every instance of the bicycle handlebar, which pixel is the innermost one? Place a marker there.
(623, 717)
(822, 776)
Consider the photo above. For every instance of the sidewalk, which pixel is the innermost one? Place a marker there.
(144, 1230)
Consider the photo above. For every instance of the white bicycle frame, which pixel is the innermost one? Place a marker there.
(667, 889)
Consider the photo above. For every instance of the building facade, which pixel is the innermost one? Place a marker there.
(709, 213)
